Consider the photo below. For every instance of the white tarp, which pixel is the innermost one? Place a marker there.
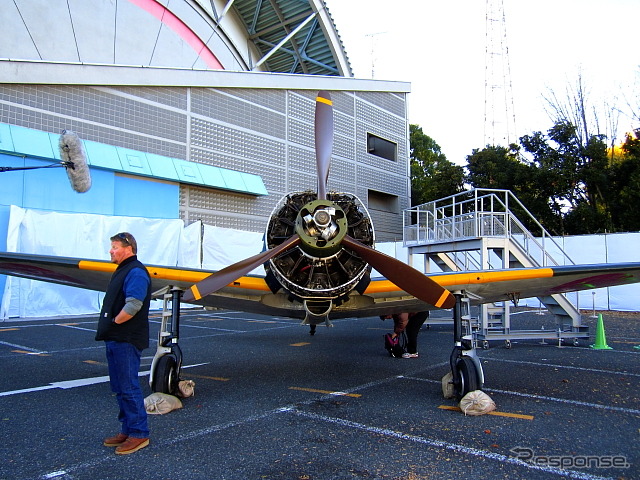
(81, 236)
(190, 246)
(225, 246)
(609, 248)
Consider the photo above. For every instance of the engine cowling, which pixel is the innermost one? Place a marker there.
(319, 272)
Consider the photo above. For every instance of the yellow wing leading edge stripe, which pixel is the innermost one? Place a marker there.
(467, 278)
(97, 266)
(178, 275)
(376, 286)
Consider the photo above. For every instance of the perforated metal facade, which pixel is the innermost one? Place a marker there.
(267, 132)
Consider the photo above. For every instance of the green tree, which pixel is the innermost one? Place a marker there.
(494, 167)
(506, 169)
(625, 183)
(575, 175)
(432, 175)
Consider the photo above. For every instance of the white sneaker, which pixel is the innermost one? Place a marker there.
(410, 355)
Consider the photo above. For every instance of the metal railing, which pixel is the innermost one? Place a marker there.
(481, 213)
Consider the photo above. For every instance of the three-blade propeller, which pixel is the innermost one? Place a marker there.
(404, 276)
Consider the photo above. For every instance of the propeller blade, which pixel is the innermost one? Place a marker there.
(324, 140)
(216, 281)
(404, 276)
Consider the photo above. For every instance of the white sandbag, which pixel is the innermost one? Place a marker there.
(186, 388)
(477, 403)
(447, 386)
(161, 403)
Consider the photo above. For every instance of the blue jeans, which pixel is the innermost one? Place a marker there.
(124, 363)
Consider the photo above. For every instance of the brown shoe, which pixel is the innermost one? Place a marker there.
(132, 445)
(116, 441)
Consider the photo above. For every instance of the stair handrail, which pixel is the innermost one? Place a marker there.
(544, 233)
(449, 212)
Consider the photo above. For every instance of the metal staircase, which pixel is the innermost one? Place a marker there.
(478, 230)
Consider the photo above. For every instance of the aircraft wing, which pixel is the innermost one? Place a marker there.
(499, 285)
(251, 293)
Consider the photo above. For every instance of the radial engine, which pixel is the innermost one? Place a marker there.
(319, 272)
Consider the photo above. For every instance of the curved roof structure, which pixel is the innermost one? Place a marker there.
(288, 36)
(294, 36)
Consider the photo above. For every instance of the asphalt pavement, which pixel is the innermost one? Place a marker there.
(274, 403)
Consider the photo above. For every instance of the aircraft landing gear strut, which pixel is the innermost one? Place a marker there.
(167, 362)
(466, 368)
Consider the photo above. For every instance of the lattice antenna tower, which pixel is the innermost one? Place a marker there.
(374, 42)
(499, 111)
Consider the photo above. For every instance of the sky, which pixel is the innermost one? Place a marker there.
(439, 47)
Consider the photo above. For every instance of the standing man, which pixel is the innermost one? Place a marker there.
(124, 327)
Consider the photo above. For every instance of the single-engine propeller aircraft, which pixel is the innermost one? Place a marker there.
(318, 257)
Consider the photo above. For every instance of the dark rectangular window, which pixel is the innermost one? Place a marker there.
(383, 202)
(381, 148)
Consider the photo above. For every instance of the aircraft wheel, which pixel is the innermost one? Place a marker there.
(165, 376)
(507, 344)
(485, 345)
(468, 376)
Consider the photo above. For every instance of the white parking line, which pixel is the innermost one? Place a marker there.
(55, 323)
(22, 347)
(186, 325)
(540, 397)
(564, 400)
(568, 367)
(447, 445)
(75, 327)
(81, 382)
(180, 438)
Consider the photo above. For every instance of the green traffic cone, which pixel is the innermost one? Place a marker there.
(601, 338)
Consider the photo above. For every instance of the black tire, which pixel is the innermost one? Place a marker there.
(468, 373)
(165, 375)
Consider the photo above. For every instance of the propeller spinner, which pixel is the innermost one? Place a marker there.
(320, 246)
